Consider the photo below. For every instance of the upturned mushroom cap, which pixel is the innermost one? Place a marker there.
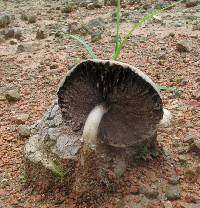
(133, 100)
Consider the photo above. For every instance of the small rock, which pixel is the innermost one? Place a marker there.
(21, 118)
(196, 27)
(76, 28)
(23, 130)
(12, 95)
(99, 3)
(146, 6)
(13, 42)
(173, 193)
(196, 94)
(40, 34)
(1, 39)
(4, 182)
(90, 6)
(195, 146)
(69, 7)
(174, 180)
(162, 56)
(134, 190)
(161, 6)
(196, 63)
(197, 79)
(95, 37)
(152, 194)
(167, 204)
(32, 19)
(24, 17)
(95, 4)
(178, 24)
(158, 19)
(96, 25)
(20, 48)
(149, 192)
(171, 34)
(54, 66)
(191, 173)
(13, 33)
(26, 47)
(191, 3)
(184, 46)
(189, 138)
(4, 20)
(189, 205)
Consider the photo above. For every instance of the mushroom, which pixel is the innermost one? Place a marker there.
(111, 99)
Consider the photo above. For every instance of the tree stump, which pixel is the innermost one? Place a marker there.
(106, 113)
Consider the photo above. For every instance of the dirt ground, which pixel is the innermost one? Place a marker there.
(37, 69)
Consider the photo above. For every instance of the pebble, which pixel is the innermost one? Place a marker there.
(23, 130)
(184, 46)
(13, 33)
(95, 37)
(173, 193)
(191, 3)
(196, 27)
(32, 19)
(21, 118)
(40, 34)
(174, 180)
(195, 146)
(196, 94)
(69, 7)
(1, 39)
(13, 42)
(12, 94)
(24, 17)
(149, 192)
(189, 138)
(5, 20)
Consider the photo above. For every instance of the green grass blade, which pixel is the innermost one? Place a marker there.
(118, 16)
(166, 88)
(57, 170)
(142, 22)
(84, 44)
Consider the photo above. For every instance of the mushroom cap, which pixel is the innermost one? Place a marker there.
(133, 100)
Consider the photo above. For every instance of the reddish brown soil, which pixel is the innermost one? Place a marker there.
(38, 72)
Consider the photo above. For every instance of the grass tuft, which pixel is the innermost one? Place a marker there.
(84, 44)
(121, 42)
(57, 170)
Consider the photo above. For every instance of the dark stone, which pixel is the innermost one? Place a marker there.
(174, 180)
(173, 193)
(5, 20)
(184, 46)
(40, 34)
(32, 19)
(191, 3)
(95, 37)
(12, 94)
(13, 33)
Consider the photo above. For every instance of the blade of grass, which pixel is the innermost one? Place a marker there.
(142, 22)
(118, 16)
(165, 88)
(84, 44)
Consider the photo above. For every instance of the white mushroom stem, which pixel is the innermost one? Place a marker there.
(91, 127)
(166, 120)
